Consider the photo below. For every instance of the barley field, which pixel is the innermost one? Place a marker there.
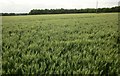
(60, 44)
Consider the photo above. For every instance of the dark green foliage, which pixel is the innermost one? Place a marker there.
(68, 11)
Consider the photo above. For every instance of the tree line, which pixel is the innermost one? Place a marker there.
(66, 11)
(13, 14)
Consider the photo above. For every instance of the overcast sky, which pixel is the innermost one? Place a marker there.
(24, 6)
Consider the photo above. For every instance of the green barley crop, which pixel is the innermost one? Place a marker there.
(60, 44)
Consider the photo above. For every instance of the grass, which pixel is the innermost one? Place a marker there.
(60, 44)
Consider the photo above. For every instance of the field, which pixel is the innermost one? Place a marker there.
(60, 44)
